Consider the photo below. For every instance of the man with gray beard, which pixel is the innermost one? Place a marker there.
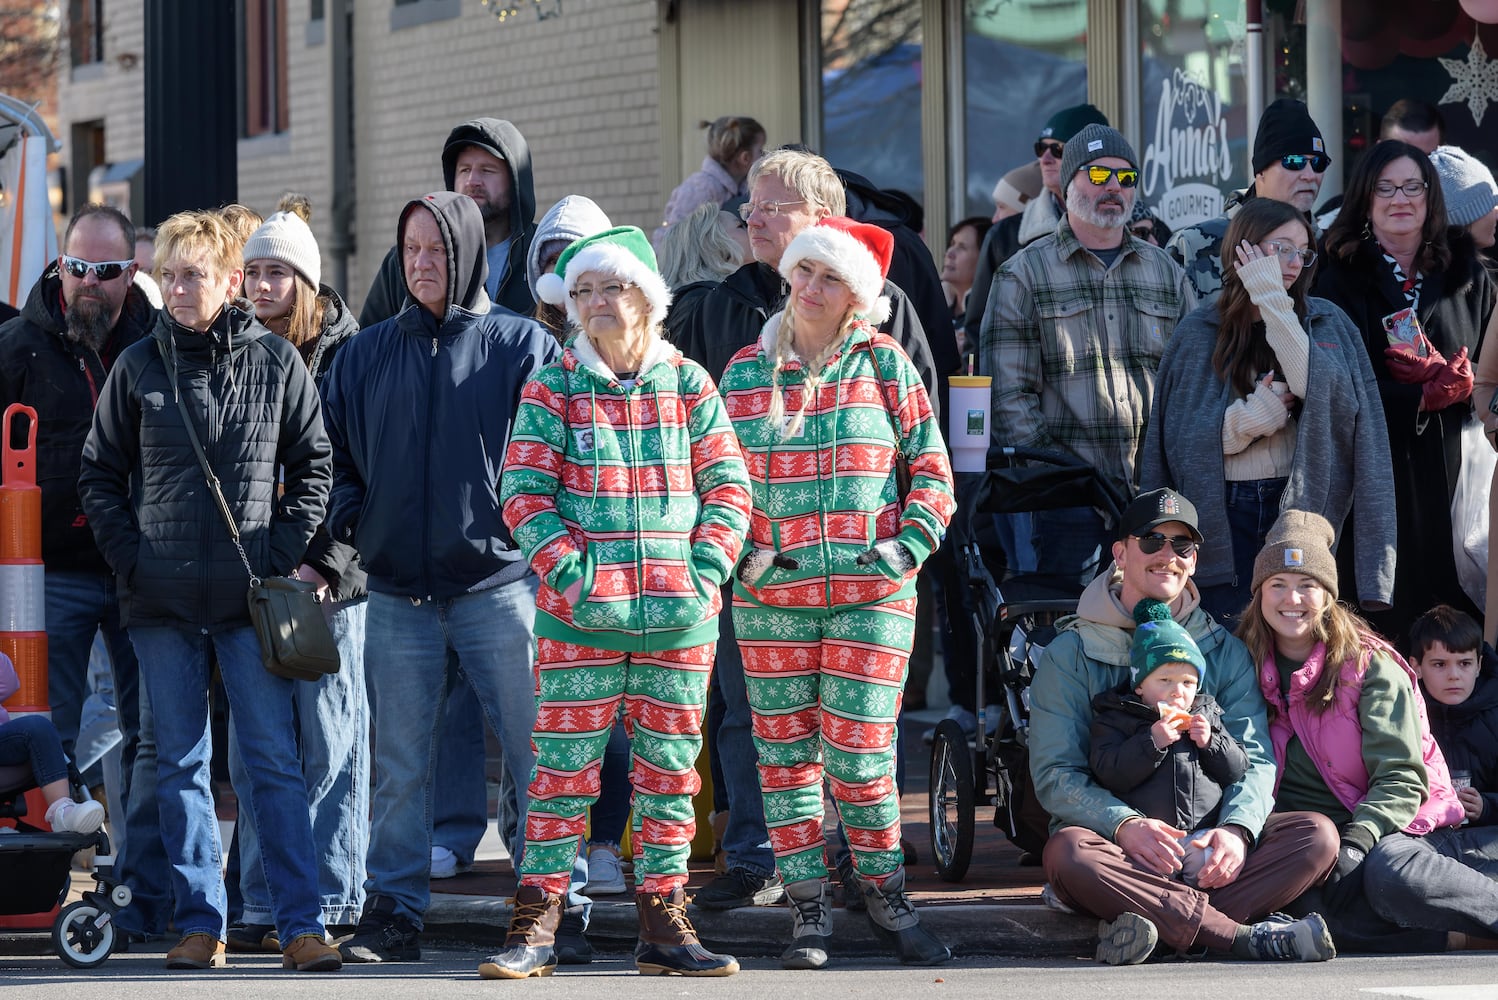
(83, 311)
(1072, 336)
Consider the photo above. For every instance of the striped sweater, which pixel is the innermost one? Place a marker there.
(638, 493)
(827, 495)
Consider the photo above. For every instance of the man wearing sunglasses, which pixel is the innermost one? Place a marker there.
(1106, 859)
(1075, 327)
(1289, 162)
(1039, 216)
(83, 311)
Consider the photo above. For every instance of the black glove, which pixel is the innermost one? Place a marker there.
(1353, 851)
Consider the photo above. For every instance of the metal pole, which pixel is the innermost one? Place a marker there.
(341, 240)
(1324, 83)
(1253, 57)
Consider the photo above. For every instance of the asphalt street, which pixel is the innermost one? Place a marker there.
(448, 971)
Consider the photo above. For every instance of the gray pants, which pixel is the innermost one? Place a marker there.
(1446, 880)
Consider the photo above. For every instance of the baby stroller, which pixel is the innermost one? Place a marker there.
(35, 874)
(1013, 625)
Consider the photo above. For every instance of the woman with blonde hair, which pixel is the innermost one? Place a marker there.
(734, 143)
(829, 411)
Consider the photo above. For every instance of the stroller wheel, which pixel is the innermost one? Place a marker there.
(83, 935)
(951, 801)
(121, 896)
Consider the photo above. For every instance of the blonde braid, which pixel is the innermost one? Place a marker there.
(815, 368)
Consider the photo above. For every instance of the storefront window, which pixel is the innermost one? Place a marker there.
(1024, 61)
(871, 91)
(1195, 142)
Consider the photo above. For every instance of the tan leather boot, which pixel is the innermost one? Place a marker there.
(311, 953)
(197, 951)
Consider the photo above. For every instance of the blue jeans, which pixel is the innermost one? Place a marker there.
(1252, 507)
(405, 662)
(1446, 880)
(746, 841)
(461, 801)
(1069, 542)
(79, 605)
(32, 739)
(615, 793)
(176, 670)
(333, 734)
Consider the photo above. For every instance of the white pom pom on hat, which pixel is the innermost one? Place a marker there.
(623, 252)
(859, 252)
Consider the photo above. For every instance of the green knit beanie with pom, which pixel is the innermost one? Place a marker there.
(1159, 640)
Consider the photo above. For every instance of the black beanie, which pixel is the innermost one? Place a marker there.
(1286, 128)
(1069, 121)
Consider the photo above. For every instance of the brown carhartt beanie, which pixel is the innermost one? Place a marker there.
(1299, 542)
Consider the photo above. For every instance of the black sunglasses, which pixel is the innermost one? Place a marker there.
(1182, 545)
(1054, 148)
(106, 270)
(1296, 162)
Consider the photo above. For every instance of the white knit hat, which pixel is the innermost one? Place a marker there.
(857, 251)
(285, 237)
(623, 252)
(1466, 185)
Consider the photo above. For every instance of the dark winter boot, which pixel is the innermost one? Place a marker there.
(528, 949)
(894, 921)
(811, 924)
(668, 943)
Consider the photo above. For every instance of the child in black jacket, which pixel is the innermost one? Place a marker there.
(1459, 678)
(1161, 747)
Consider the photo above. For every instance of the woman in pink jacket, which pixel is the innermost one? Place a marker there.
(1351, 741)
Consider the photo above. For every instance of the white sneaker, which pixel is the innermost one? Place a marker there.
(445, 863)
(605, 874)
(967, 720)
(68, 816)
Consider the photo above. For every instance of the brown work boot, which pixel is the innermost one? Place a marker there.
(197, 951)
(529, 948)
(668, 943)
(311, 953)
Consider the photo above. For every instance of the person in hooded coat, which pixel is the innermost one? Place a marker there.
(419, 410)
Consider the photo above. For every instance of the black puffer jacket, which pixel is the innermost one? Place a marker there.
(255, 410)
(338, 562)
(1468, 735)
(61, 380)
(1182, 784)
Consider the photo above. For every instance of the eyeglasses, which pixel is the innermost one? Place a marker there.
(1296, 162)
(1182, 545)
(1127, 176)
(1289, 251)
(1052, 147)
(610, 291)
(1411, 189)
(769, 209)
(104, 270)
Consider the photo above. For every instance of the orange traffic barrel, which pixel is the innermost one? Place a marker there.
(23, 618)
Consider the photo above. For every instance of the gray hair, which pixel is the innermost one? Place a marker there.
(697, 249)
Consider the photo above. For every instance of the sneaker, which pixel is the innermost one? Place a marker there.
(445, 863)
(1052, 901)
(740, 887)
(253, 938)
(1303, 940)
(967, 720)
(382, 935)
(67, 816)
(1128, 940)
(605, 875)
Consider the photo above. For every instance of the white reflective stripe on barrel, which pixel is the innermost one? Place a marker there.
(22, 597)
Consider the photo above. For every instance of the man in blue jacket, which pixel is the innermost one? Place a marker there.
(418, 410)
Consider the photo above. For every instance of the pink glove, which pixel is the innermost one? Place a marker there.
(1407, 366)
(1452, 384)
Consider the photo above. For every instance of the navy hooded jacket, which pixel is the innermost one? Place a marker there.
(419, 412)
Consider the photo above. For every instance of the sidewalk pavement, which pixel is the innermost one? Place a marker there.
(995, 910)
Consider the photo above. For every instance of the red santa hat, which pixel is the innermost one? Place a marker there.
(858, 252)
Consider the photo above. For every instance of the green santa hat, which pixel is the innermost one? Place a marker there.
(622, 252)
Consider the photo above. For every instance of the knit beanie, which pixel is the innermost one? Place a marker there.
(1069, 121)
(622, 252)
(1299, 542)
(285, 237)
(1286, 128)
(1093, 143)
(1466, 184)
(1158, 640)
(1018, 186)
(860, 253)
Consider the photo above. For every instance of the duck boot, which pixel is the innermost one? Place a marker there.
(894, 920)
(668, 943)
(811, 924)
(529, 948)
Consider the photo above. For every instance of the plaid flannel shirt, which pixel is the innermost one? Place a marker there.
(1073, 347)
